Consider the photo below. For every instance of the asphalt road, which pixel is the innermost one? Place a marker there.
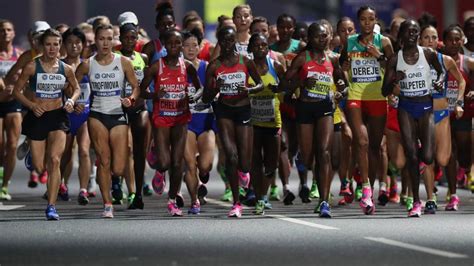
(286, 235)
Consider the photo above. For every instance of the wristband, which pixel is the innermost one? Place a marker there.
(71, 101)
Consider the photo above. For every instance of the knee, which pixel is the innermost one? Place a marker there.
(205, 168)
(104, 161)
(400, 162)
(362, 143)
(119, 170)
(177, 165)
(443, 159)
(324, 156)
(54, 161)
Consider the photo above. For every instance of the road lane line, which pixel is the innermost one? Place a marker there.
(10, 207)
(301, 222)
(432, 251)
(279, 217)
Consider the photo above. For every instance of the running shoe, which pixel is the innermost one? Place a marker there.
(366, 202)
(314, 192)
(384, 197)
(409, 203)
(430, 207)
(324, 210)
(260, 208)
(268, 205)
(83, 198)
(304, 194)
(4, 195)
(461, 177)
(453, 204)
(416, 210)
(51, 213)
(345, 188)
(288, 197)
(147, 191)
(358, 192)
(137, 203)
(250, 198)
(227, 195)
(179, 200)
(202, 193)
(43, 178)
(274, 193)
(34, 179)
(393, 196)
(117, 193)
(22, 150)
(130, 199)
(108, 211)
(242, 193)
(236, 211)
(158, 182)
(204, 178)
(63, 192)
(174, 210)
(92, 187)
(244, 179)
(342, 202)
(195, 208)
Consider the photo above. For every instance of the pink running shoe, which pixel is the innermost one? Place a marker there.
(366, 202)
(244, 179)
(461, 175)
(158, 182)
(416, 210)
(453, 204)
(174, 210)
(236, 211)
(43, 178)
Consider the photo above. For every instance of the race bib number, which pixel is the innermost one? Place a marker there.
(452, 95)
(105, 84)
(231, 83)
(173, 104)
(85, 93)
(321, 89)
(49, 86)
(365, 70)
(263, 108)
(5, 66)
(415, 84)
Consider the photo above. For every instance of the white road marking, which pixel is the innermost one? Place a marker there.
(279, 217)
(432, 251)
(10, 207)
(301, 222)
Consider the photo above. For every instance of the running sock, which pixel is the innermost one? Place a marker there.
(366, 185)
(383, 186)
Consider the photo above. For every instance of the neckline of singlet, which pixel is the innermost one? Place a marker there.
(43, 69)
(14, 55)
(240, 62)
(95, 59)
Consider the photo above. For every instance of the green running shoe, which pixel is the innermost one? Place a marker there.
(260, 208)
(317, 209)
(274, 193)
(4, 195)
(358, 192)
(130, 199)
(314, 193)
(227, 195)
(409, 203)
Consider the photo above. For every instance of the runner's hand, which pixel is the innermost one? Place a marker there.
(126, 102)
(38, 110)
(458, 111)
(79, 108)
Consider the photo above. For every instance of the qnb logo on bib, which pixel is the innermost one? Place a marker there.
(232, 81)
(414, 85)
(321, 89)
(365, 70)
(49, 86)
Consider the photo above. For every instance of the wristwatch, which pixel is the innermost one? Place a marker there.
(460, 103)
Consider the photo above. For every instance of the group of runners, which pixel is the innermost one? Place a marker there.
(373, 107)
